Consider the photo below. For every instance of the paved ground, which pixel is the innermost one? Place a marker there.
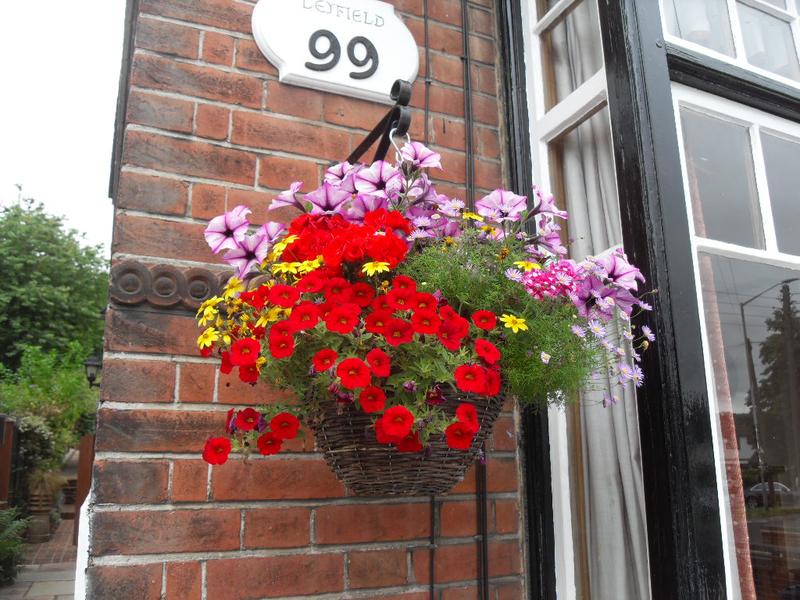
(49, 569)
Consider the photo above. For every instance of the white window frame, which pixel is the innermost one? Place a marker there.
(544, 127)
(756, 121)
(790, 15)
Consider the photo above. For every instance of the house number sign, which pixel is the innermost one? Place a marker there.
(352, 47)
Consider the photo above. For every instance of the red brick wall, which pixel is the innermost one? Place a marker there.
(208, 126)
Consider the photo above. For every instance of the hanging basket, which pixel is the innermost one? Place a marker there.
(346, 436)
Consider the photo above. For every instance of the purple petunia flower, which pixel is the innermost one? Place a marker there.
(271, 231)
(545, 204)
(290, 197)
(364, 204)
(226, 231)
(420, 156)
(615, 264)
(250, 252)
(451, 208)
(410, 385)
(381, 179)
(501, 205)
(327, 199)
(343, 176)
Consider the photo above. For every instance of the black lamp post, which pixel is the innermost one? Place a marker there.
(93, 366)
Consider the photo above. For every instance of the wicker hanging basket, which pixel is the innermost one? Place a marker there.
(347, 437)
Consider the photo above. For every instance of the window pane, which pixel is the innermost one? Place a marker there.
(704, 22)
(768, 42)
(722, 186)
(778, 3)
(782, 158)
(572, 52)
(753, 323)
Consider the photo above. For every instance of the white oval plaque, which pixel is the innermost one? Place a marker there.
(352, 47)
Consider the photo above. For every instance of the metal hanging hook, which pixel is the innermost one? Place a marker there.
(397, 150)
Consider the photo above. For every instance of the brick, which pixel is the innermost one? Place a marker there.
(189, 481)
(132, 330)
(134, 234)
(374, 569)
(481, 21)
(485, 110)
(156, 430)
(233, 391)
(184, 581)
(505, 558)
(461, 592)
(445, 11)
(250, 58)
(277, 528)
(448, 132)
(444, 100)
(460, 562)
(212, 121)
(167, 38)
(160, 112)
(274, 479)
(142, 582)
(275, 577)
(124, 482)
(207, 82)
(484, 79)
(455, 166)
(488, 174)
(350, 112)
(441, 39)
(466, 485)
(218, 48)
(270, 133)
(488, 141)
(481, 49)
(223, 14)
(293, 100)
(156, 532)
(372, 523)
(256, 201)
(447, 69)
(138, 381)
(503, 436)
(152, 194)
(409, 6)
(506, 516)
(197, 382)
(188, 157)
(508, 591)
(501, 475)
(208, 201)
(458, 519)
(279, 173)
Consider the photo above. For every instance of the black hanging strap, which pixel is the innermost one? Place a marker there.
(397, 120)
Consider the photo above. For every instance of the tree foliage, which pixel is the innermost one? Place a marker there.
(52, 289)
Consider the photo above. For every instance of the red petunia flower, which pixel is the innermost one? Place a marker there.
(487, 351)
(493, 382)
(343, 319)
(281, 347)
(467, 414)
(284, 425)
(337, 290)
(354, 373)
(377, 321)
(401, 299)
(227, 366)
(381, 302)
(304, 316)
(381, 436)
(448, 313)
(269, 443)
(484, 319)
(379, 362)
(425, 302)
(247, 419)
(402, 282)
(372, 399)
(311, 283)
(398, 332)
(387, 248)
(249, 374)
(258, 332)
(426, 321)
(470, 378)
(245, 352)
(324, 359)
(452, 331)
(397, 421)
(284, 295)
(459, 436)
(410, 443)
(206, 352)
(217, 450)
(362, 294)
(281, 329)
(229, 421)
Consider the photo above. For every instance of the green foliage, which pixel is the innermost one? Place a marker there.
(49, 391)
(12, 529)
(470, 273)
(52, 289)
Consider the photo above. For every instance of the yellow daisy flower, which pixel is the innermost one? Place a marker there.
(233, 287)
(527, 265)
(513, 323)
(471, 215)
(371, 268)
(207, 338)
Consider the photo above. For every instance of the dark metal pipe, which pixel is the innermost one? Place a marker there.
(468, 120)
(482, 512)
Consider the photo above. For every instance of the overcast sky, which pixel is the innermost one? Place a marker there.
(59, 70)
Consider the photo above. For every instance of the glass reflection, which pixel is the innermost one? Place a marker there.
(722, 184)
(768, 42)
(753, 322)
(782, 158)
(572, 51)
(704, 22)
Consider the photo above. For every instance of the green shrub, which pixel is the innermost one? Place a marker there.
(12, 530)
